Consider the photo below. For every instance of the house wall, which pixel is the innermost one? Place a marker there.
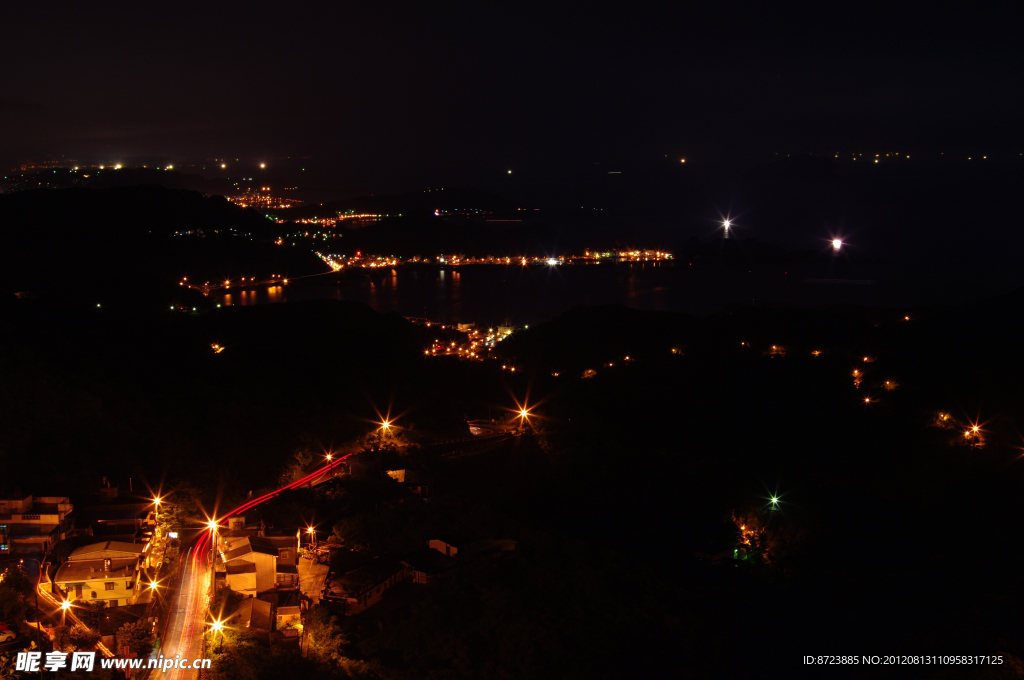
(95, 589)
(244, 584)
(266, 570)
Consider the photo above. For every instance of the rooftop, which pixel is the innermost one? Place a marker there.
(248, 548)
(107, 549)
(241, 567)
(85, 570)
(369, 575)
(253, 613)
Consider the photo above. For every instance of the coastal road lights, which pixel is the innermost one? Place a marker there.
(64, 607)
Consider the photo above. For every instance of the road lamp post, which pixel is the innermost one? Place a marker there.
(39, 623)
(218, 627)
(212, 526)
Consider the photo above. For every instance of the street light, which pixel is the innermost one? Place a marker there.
(212, 526)
(218, 627)
(64, 607)
(39, 623)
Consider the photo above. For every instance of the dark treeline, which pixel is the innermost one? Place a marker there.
(113, 393)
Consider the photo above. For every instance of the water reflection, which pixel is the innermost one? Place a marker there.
(488, 295)
(254, 296)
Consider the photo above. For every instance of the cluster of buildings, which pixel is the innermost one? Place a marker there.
(262, 199)
(105, 552)
(262, 572)
(34, 524)
(338, 261)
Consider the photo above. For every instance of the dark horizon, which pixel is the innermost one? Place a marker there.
(451, 95)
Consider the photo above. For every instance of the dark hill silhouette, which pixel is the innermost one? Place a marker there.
(120, 243)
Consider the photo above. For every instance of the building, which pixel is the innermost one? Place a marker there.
(444, 547)
(235, 533)
(364, 587)
(466, 327)
(254, 616)
(240, 577)
(32, 525)
(109, 571)
(259, 552)
(427, 566)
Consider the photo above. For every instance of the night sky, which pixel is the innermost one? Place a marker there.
(434, 92)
